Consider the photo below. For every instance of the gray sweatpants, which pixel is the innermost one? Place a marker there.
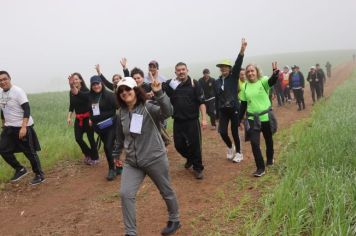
(131, 180)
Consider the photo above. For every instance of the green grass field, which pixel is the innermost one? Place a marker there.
(57, 139)
(317, 192)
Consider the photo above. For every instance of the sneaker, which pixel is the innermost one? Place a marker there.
(118, 170)
(111, 175)
(171, 228)
(93, 162)
(270, 163)
(37, 179)
(19, 174)
(259, 173)
(87, 160)
(198, 174)
(230, 153)
(188, 164)
(238, 157)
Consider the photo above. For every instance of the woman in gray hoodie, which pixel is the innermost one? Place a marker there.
(138, 134)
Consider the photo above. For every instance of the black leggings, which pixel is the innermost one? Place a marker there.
(107, 136)
(226, 115)
(299, 96)
(210, 110)
(255, 143)
(92, 152)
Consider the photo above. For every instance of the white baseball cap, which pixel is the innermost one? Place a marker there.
(127, 81)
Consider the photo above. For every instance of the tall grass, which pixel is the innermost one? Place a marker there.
(317, 193)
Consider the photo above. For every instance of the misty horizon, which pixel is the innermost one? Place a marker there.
(45, 41)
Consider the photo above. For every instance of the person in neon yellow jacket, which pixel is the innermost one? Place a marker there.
(255, 100)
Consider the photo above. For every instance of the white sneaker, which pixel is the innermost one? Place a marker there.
(230, 153)
(238, 157)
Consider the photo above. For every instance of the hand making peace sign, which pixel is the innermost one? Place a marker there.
(155, 84)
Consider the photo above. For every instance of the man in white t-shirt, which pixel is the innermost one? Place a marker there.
(18, 134)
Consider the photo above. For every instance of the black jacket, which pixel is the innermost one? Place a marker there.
(107, 104)
(227, 97)
(208, 87)
(186, 99)
(79, 104)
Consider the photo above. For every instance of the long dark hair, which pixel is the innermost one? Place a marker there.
(83, 86)
(140, 96)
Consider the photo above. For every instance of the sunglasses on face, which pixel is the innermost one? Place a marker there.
(123, 88)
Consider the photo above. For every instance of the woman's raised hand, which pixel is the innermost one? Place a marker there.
(155, 84)
(243, 45)
(97, 68)
(123, 63)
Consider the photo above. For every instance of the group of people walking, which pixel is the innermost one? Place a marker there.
(129, 114)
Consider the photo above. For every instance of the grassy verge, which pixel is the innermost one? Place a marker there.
(317, 193)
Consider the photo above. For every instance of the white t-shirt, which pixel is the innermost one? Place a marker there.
(160, 78)
(10, 103)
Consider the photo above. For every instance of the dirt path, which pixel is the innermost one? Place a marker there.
(77, 200)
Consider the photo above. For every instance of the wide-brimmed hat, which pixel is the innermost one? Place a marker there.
(225, 62)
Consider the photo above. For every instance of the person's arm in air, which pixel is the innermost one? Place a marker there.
(235, 72)
(165, 107)
(106, 82)
(273, 79)
(123, 63)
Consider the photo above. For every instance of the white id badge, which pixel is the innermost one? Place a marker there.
(174, 84)
(136, 123)
(95, 108)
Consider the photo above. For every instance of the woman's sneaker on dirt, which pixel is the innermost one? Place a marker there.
(111, 175)
(230, 153)
(37, 180)
(19, 174)
(87, 160)
(93, 162)
(238, 157)
(259, 173)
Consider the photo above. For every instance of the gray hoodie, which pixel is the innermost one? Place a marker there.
(143, 149)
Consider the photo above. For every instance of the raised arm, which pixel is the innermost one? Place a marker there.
(106, 82)
(238, 63)
(273, 79)
(166, 109)
(123, 63)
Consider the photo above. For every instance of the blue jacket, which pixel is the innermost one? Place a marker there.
(296, 80)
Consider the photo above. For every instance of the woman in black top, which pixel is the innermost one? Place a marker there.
(82, 123)
(102, 115)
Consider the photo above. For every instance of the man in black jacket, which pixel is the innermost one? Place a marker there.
(207, 83)
(187, 99)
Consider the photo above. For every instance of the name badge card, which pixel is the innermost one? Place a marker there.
(136, 123)
(174, 84)
(95, 108)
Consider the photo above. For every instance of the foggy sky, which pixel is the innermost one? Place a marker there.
(42, 41)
